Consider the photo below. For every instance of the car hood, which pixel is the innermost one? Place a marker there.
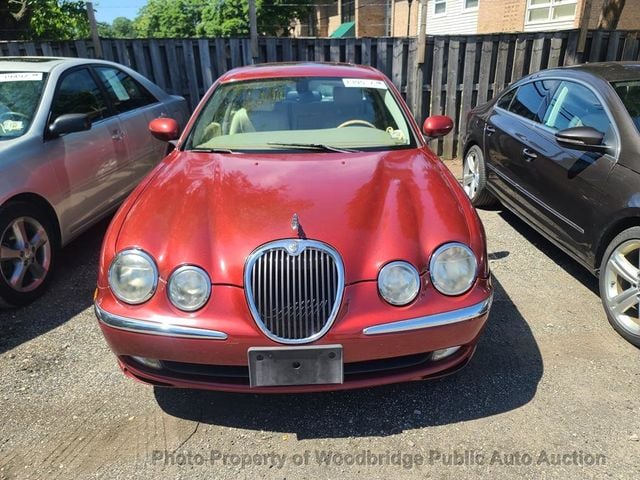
(213, 210)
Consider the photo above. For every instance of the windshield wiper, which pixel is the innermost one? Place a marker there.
(212, 150)
(313, 146)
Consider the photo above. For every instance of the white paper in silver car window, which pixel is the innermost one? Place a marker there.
(20, 77)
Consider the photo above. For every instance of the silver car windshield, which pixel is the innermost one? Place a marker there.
(20, 94)
(292, 113)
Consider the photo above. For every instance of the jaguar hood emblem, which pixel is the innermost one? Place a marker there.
(296, 226)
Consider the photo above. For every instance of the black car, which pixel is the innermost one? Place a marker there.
(561, 149)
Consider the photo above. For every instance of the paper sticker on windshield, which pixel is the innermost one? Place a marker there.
(21, 77)
(116, 85)
(364, 83)
(12, 125)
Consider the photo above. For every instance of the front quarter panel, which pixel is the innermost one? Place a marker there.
(108, 249)
(24, 168)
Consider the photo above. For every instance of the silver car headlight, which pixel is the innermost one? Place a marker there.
(398, 283)
(133, 276)
(189, 288)
(453, 268)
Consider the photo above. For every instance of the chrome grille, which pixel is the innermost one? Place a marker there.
(294, 288)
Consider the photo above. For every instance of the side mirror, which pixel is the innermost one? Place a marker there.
(586, 139)
(70, 123)
(165, 129)
(437, 126)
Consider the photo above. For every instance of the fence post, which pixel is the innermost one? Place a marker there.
(414, 80)
(418, 65)
(95, 38)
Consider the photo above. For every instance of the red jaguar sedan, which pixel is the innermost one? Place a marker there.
(301, 236)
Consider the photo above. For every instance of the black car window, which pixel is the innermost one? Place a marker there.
(126, 93)
(532, 98)
(629, 93)
(575, 105)
(79, 93)
(505, 100)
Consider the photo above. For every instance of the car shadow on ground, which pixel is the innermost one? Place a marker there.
(502, 376)
(555, 254)
(70, 292)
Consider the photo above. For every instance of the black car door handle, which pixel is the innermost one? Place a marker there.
(529, 155)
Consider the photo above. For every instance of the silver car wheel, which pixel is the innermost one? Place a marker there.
(25, 254)
(622, 285)
(471, 175)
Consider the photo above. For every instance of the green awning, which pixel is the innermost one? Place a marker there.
(347, 29)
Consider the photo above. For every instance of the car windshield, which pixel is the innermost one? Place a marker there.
(307, 113)
(629, 93)
(19, 97)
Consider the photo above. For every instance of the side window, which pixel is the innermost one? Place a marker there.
(532, 99)
(126, 93)
(79, 93)
(574, 105)
(505, 101)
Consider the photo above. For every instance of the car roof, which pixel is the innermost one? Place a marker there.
(32, 64)
(43, 64)
(301, 69)
(607, 71)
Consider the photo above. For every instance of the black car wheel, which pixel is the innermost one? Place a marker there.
(27, 253)
(474, 178)
(620, 284)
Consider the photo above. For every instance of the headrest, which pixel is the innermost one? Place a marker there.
(347, 96)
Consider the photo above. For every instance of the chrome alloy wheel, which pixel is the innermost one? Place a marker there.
(471, 174)
(25, 254)
(622, 285)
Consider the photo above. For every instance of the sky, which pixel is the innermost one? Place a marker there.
(107, 10)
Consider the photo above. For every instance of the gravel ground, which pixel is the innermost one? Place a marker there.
(552, 392)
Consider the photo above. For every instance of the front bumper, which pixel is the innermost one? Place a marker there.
(167, 329)
(377, 348)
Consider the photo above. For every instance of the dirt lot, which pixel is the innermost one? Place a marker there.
(552, 392)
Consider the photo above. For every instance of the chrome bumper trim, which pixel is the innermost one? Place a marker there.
(437, 320)
(156, 328)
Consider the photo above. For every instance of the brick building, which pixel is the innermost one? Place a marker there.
(397, 18)
(363, 18)
(547, 15)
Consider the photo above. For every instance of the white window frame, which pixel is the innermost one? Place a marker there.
(550, 4)
(436, 3)
(469, 9)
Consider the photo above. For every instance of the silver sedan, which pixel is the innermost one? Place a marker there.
(74, 142)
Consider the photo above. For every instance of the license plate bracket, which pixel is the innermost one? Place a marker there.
(281, 366)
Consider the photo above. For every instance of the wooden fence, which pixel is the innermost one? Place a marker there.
(456, 73)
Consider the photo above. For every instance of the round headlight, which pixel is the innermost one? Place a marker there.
(189, 288)
(133, 276)
(398, 283)
(453, 268)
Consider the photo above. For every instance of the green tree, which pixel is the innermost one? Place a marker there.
(122, 27)
(225, 19)
(169, 18)
(231, 18)
(59, 19)
(43, 19)
(275, 17)
(15, 17)
(105, 30)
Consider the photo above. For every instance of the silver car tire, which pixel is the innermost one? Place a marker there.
(620, 284)
(474, 178)
(28, 248)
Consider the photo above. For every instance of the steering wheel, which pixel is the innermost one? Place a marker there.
(14, 114)
(356, 121)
